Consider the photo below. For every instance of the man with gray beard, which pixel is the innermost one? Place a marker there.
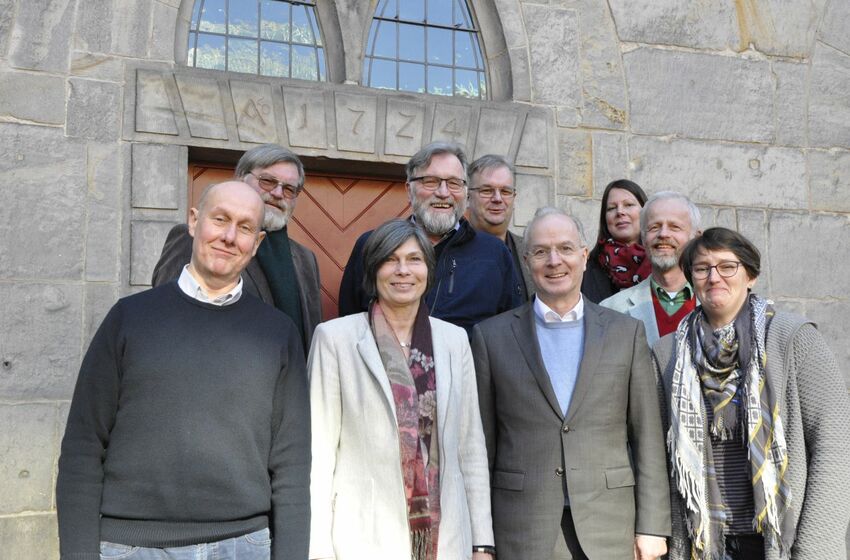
(474, 277)
(668, 221)
(283, 273)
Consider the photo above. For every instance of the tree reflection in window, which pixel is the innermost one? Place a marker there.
(268, 37)
(425, 46)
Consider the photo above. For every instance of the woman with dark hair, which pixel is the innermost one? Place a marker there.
(618, 260)
(757, 419)
(399, 460)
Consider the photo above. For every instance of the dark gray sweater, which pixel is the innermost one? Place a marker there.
(189, 423)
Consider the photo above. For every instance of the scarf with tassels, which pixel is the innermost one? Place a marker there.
(719, 364)
(414, 387)
(626, 265)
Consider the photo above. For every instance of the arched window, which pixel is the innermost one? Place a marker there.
(425, 46)
(268, 37)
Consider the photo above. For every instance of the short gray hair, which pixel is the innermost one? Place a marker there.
(545, 211)
(422, 158)
(383, 242)
(489, 161)
(266, 156)
(693, 211)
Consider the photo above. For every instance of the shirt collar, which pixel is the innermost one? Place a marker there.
(689, 291)
(193, 289)
(549, 316)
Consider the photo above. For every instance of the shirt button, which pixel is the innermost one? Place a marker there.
(559, 472)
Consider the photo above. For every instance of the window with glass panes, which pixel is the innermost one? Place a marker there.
(266, 37)
(425, 46)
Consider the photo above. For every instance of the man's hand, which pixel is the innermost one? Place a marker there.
(648, 547)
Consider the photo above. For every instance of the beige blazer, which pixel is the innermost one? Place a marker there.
(357, 495)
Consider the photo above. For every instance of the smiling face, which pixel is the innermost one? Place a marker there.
(668, 230)
(721, 298)
(622, 216)
(492, 215)
(226, 232)
(403, 277)
(556, 259)
(438, 211)
(278, 209)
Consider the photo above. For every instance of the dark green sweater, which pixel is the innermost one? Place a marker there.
(189, 423)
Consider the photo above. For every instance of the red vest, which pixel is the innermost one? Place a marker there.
(669, 323)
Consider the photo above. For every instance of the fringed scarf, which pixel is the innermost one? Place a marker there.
(719, 364)
(414, 387)
(626, 265)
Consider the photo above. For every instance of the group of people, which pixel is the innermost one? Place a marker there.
(482, 394)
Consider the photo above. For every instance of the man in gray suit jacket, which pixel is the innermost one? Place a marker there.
(570, 415)
(284, 273)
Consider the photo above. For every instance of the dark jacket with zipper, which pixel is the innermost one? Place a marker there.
(474, 279)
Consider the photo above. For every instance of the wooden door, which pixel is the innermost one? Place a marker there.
(332, 212)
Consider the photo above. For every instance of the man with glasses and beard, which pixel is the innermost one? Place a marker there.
(474, 276)
(281, 263)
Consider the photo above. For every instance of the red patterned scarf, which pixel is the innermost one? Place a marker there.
(414, 387)
(626, 265)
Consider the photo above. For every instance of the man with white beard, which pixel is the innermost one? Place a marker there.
(668, 221)
(474, 277)
(283, 273)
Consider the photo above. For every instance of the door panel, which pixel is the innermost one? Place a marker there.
(332, 212)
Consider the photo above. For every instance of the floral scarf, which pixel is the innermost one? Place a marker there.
(626, 265)
(719, 363)
(414, 388)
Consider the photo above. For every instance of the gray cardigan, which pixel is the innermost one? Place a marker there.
(816, 415)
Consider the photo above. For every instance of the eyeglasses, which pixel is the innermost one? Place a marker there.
(432, 183)
(541, 254)
(726, 269)
(506, 193)
(270, 183)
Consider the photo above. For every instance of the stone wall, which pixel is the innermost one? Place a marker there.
(742, 104)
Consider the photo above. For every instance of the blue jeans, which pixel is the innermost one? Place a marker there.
(253, 546)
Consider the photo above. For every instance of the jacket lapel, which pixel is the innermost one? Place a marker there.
(525, 331)
(443, 371)
(253, 275)
(368, 349)
(594, 341)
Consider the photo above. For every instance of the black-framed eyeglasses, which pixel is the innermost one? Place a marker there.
(726, 269)
(506, 193)
(269, 184)
(432, 183)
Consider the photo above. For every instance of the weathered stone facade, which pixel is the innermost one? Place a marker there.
(742, 104)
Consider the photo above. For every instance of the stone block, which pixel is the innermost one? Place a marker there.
(100, 298)
(698, 25)
(165, 19)
(753, 224)
(356, 117)
(800, 247)
(255, 114)
(97, 66)
(833, 27)
(758, 175)
(610, 160)
(699, 95)
(18, 102)
(202, 103)
(791, 103)
(131, 26)
(39, 340)
(725, 217)
(536, 191)
(153, 107)
(452, 123)
(831, 318)
(146, 240)
(779, 27)
(829, 98)
(93, 30)
(104, 203)
(534, 144)
(29, 443)
(305, 118)
(511, 20)
(828, 176)
(520, 74)
(405, 125)
(586, 212)
(7, 18)
(41, 35)
(553, 41)
(495, 132)
(33, 537)
(158, 176)
(93, 110)
(575, 163)
(43, 203)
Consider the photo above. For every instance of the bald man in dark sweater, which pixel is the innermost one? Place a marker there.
(190, 424)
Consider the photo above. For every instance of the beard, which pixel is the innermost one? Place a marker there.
(275, 218)
(664, 262)
(436, 223)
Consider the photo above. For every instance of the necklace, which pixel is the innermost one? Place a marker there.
(404, 344)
